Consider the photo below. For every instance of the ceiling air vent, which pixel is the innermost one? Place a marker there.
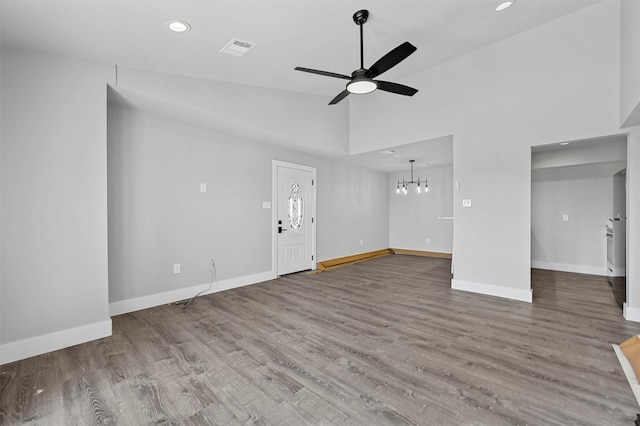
(237, 47)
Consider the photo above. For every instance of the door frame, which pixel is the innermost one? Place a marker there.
(274, 211)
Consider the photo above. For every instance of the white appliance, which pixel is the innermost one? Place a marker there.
(616, 229)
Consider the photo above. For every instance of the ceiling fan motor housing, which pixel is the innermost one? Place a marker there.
(361, 16)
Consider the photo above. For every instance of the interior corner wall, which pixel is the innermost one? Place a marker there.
(559, 81)
(632, 306)
(159, 217)
(630, 63)
(353, 209)
(53, 204)
(585, 194)
(422, 221)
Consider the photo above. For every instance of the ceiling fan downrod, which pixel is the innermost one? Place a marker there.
(360, 18)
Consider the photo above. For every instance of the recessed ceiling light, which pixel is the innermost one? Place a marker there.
(505, 5)
(564, 143)
(178, 26)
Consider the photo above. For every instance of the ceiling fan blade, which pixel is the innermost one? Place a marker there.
(325, 73)
(391, 59)
(399, 89)
(340, 97)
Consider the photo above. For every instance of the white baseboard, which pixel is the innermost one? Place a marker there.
(630, 314)
(15, 351)
(617, 272)
(523, 295)
(567, 267)
(144, 302)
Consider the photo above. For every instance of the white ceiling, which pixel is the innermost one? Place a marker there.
(307, 33)
(584, 143)
(427, 154)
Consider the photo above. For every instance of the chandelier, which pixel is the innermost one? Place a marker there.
(404, 184)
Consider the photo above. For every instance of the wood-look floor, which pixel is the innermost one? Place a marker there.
(381, 342)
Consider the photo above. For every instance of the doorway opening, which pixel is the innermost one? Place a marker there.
(577, 190)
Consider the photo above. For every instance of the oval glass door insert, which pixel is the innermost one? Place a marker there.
(296, 210)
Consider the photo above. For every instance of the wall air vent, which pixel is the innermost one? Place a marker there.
(237, 47)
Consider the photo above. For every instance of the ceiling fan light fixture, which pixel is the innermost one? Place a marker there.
(361, 86)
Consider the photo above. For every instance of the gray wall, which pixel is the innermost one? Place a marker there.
(414, 217)
(158, 216)
(620, 194)
(585, 194)
(630, 63)
(292, 120)
(54, 201)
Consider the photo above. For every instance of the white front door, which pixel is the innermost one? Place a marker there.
(295, 215)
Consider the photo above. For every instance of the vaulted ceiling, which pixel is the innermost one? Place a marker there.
(314, 34)
(309, 33)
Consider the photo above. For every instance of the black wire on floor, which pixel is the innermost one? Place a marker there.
(212, 272)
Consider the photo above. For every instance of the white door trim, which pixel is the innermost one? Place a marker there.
(274, 211)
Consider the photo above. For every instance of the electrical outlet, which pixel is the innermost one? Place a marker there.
(565, 217)
(466, 202)
(176, 268)
(203, 187)
(361, 242)
(428, 240)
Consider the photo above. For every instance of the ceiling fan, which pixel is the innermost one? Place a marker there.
(362, 80)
